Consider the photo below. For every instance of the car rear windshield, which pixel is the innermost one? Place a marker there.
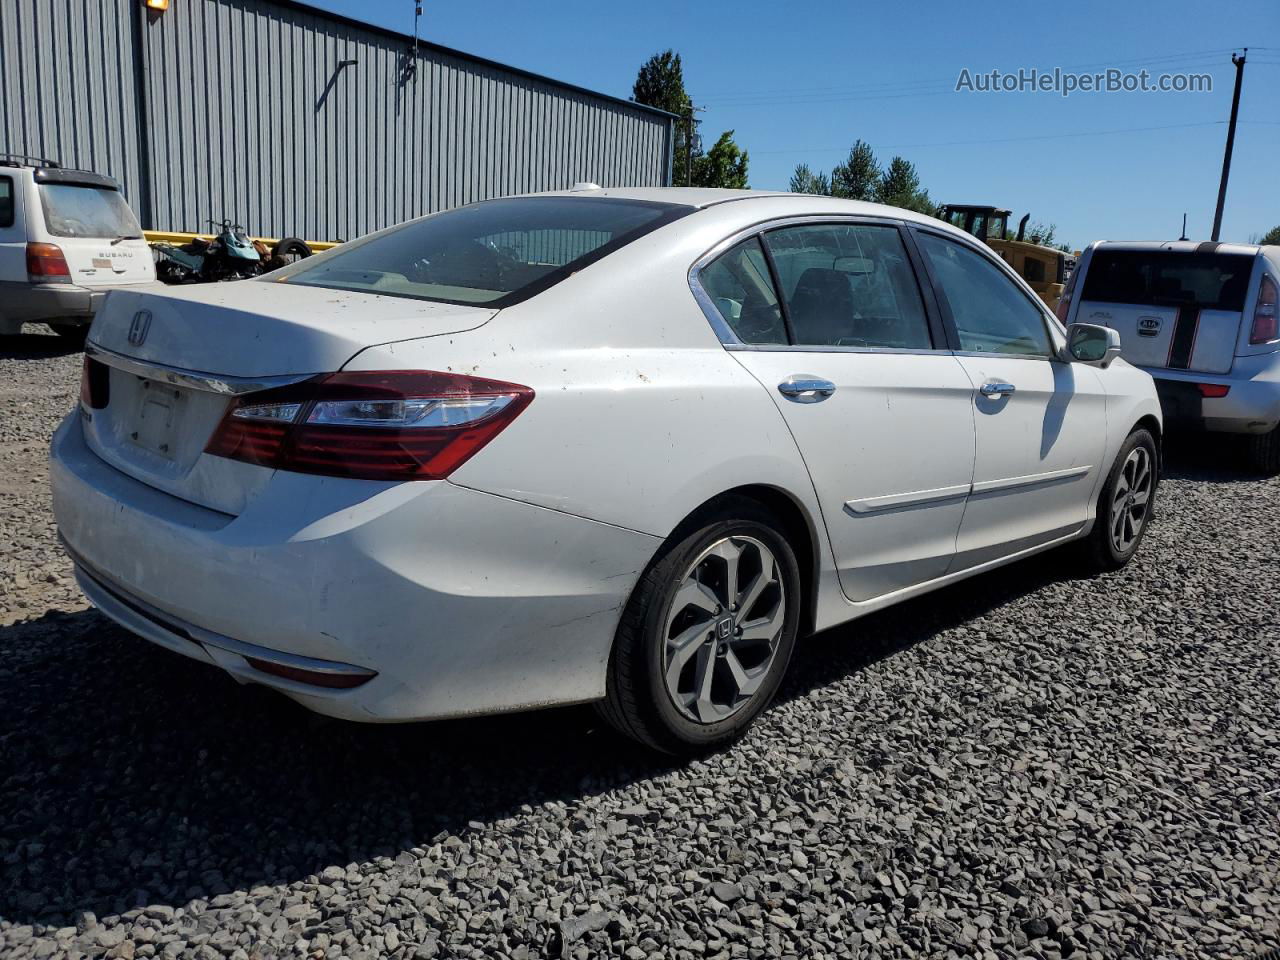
(1210, 281)
(75, 210)
(493, 253)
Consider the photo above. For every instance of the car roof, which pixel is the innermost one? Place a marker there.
(703, 197)
(1179, 246)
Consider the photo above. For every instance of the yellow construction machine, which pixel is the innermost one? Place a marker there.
(1044, 268)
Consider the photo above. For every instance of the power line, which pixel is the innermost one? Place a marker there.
(1045, 136)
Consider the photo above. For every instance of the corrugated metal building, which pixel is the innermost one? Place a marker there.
(292, 121)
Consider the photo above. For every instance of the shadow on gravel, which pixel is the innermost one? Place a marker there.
(35, 346)
(1207, 457)
(130, 776)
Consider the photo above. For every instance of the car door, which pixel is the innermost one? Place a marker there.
(831, 320)
(1040, 423)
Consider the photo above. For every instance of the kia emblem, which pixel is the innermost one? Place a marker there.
(1148, 326)
(139, 327)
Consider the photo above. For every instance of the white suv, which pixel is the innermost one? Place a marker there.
(1201, 318)
(66, 238)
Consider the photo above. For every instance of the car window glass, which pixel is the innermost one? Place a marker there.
(849, 285)
(6, 201)
(496, 253)
(991, 314)
(1150, 278)
(739, 285)
(73, 210)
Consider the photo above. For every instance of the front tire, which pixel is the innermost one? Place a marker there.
(1126, 504)
(706, 637)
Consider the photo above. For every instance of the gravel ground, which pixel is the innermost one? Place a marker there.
(1027, 764)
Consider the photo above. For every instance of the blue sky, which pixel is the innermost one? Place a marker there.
(800, 84)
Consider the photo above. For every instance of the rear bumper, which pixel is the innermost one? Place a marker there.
(40, 302)
(460, 601)
(1251, 406)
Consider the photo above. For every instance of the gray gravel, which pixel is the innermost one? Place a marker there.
(1028, 764)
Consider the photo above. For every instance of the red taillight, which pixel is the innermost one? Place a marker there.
(95, 384)
(390, 425)
(1265, 323)
(1212, 391)
(46, 262)
(1064, 307)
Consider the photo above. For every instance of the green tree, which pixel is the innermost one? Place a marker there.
(805, 180)
(724, 165)
(660, 83)
(1271, 236)
(900, 187)
(858, 177)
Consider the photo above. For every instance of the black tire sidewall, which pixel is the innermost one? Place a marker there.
(671, 568)
(1139, 437)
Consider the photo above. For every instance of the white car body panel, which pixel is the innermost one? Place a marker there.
(501, 587)
(1040, 452)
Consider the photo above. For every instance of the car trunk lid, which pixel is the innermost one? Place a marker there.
(173, 358)
(88, 219)
(1173, 309)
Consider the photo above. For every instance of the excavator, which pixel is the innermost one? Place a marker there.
(1045, 269)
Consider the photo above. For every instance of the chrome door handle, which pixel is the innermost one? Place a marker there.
(994, 388)
(805, 389)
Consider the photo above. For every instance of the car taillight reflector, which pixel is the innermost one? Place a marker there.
(46, 262)
(1212, 391)
(1265, 323)
(95, 384)
(389, 425)
(315, 678)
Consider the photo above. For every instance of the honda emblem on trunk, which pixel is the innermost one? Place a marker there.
(139, 327)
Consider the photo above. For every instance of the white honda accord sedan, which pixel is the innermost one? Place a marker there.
(601, 445)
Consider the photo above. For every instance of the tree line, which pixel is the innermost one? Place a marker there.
(660, 83)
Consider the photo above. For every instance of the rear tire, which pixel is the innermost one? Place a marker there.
(71, 332)
(289, 250)
(706, 637)
(1264, 452)
(1125, 505)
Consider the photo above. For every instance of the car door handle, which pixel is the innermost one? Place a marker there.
(994, 388)
(805, 389)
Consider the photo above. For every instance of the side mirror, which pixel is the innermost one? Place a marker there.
(1092, 344)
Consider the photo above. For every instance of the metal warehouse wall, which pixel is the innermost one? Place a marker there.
(248, 115)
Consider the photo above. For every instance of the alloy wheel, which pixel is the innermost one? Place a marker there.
(721, 633)
(1130, 500)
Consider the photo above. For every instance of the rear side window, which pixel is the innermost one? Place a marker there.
(1210, 281)
(6, 201)
(493, 254)
(991, 314)
(738, 284)
(849, 285)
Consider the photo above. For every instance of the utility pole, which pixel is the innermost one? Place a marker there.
(1231, 142)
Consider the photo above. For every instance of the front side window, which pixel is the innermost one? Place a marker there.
(6, 201)
(849, 285)
(76, 210)
(489, 254)
(739, 285)
(991, 314)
